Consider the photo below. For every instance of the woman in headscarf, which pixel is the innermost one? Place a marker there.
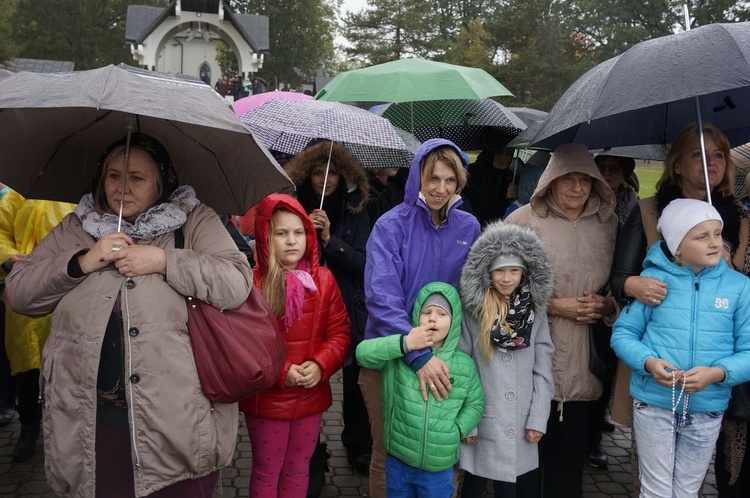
(124, 412)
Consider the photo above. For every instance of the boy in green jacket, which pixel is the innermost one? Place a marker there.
(423, 438)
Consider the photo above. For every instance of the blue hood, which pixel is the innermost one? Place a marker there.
(414, 182)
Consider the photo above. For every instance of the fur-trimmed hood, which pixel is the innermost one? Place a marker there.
(505, 238)
(301, 166)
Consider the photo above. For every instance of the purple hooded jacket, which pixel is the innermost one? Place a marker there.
(405, 252)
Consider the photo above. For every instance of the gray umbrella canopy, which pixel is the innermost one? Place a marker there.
(56, 126)
(646, 94)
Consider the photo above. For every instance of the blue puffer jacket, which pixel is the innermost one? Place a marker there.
(703, 321)
(405, 252)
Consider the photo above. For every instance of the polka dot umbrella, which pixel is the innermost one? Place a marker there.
(470, 124)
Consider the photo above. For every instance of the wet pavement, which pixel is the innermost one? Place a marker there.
(26, 480)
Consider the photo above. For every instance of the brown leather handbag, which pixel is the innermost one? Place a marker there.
(237, 352)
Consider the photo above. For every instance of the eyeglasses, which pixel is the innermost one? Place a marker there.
(611, 168)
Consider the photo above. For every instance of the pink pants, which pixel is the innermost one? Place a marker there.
(281, 455)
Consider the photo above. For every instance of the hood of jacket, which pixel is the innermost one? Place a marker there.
(515, 240)
(567, 159)
(451, 294)
(264, 210)
(301, 166)
(414, 182)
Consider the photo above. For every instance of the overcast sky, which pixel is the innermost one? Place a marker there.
(354, 5)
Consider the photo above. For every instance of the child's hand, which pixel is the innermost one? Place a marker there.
(420, 337)
(310, 374)
(698, 378)
(469, 440)
(533, 436)
(292, 375)
(664, 373)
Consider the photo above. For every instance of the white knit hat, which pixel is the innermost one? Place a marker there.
(680, 216)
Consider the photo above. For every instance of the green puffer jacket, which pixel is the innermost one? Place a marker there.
(425, 435)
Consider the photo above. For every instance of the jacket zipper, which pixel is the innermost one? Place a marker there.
(425, 417)
(693, 331)
(564, 389)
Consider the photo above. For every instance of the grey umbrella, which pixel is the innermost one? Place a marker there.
(56, 126)
(647, 94)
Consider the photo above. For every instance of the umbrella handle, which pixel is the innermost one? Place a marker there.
(129, 127)
(325, 178)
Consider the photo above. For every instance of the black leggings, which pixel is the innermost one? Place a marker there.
(527, 485)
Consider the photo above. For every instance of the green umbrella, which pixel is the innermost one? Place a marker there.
(412, 80)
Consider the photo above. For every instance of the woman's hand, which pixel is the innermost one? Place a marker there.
(321, 222)
(512, 193)
(138, 260)
(435, 375)
(310, 374)
(593, 307)
(106, 250)
(647, 290)
(533, 436)
(664, 373)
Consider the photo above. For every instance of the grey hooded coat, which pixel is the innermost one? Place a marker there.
(517, 385)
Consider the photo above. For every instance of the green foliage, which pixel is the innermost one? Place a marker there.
(8, 49)
(90, 33)
(227, 59)
(301, 37)
(471, 47)
(393, 29)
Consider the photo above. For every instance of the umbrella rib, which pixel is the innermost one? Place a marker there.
(60, 144)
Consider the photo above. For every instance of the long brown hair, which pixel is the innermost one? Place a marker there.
(680, 147)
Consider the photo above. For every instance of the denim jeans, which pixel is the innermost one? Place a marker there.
(693, 444)
(405, 481)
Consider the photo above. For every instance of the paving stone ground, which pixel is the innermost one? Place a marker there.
(26, 480)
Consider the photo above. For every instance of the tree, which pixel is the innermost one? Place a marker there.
(8, 49)
(471, 47)
(91, 33)
(392, 29)
(227, 59)
(300, 38)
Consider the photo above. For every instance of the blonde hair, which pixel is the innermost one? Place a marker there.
(100, 195)
(274, 280)
(449, 156)
(681, 146)
(495, 306)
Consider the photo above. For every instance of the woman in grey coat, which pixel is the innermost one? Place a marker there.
(505, 331)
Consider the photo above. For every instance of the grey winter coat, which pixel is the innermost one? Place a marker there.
(518, 385)
(176, 432)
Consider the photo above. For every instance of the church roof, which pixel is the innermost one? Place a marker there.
(143, 20)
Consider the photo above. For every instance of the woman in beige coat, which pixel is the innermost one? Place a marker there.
(572, 211)
(124, 413)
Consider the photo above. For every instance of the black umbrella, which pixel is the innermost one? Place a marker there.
(646, 95)
(55, 126)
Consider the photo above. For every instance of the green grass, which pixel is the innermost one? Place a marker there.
(648, 175)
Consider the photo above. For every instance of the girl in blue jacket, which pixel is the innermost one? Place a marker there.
(686, 352)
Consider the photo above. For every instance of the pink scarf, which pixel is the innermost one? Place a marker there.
(298, 281)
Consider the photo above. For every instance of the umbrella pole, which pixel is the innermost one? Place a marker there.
(325, 178)
(699, 120)
(129, 127)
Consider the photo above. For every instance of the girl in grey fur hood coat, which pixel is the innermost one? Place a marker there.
(513, 358)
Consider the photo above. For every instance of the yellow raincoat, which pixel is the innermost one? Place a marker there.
(23, 225)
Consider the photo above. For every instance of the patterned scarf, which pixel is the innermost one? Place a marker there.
(298, 281)
(515, 332)
(159, 219)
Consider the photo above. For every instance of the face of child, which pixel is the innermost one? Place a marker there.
(506, 279)
(702, 246)
(288, 238)
(439, 321)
